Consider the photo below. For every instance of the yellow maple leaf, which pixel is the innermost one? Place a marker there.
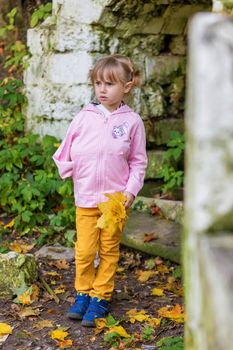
(19, 247)
(119, 330)
(157, 292)
(113, 213)
(163, 269)
(29, 296)
(175, 313)
(15, 247)
(59, 334)
(154, 321)
(137, 315)
(25, 298)
(5, 329)
(145, 275)
(100, 325)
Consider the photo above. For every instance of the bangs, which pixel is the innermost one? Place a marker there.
(108, 72)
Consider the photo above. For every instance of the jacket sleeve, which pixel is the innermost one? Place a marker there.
(137, 159)
(62, 156)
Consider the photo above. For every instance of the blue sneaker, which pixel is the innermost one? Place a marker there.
(98, 308)
(78, 309)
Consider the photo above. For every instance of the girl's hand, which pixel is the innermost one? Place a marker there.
(129, 199)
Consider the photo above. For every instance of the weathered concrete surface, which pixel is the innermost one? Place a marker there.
(208, 248)
(15, 270)
(167, 245)
(172, 210)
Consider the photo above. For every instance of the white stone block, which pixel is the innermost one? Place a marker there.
(87, 11)
(55, 102)
(49, 127)
(38, 40)
(69, 68)
(37, 70)
(72, 36)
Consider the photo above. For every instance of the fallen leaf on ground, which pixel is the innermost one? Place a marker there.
(157, 292)
(148, 237)
(119, 330)
(59, 334)
(28, 311)
(60, 264)
(29, 296)
(137, 315)
(64, 344)
(143, 276)
(44, 324)
(173, 286)
(100, 325)
(163, 269)
(5, 329)
(175, 313)
(15, 247)
(154, 322)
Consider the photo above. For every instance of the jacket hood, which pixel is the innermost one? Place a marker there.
(122, 109)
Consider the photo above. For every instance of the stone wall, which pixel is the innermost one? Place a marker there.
(66, 45)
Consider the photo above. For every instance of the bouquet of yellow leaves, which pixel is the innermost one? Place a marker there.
(113, 213)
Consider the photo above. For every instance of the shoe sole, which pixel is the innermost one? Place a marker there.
(74, 316)
(90, 324)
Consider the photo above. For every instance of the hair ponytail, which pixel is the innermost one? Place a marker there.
(136, 79)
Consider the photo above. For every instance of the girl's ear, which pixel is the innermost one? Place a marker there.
(128, 87)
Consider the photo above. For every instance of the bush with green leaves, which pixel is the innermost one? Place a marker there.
(41, 13)
(172, 172)
(31, 191)
(15, 51)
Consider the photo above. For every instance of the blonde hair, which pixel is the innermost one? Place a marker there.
(115, 68)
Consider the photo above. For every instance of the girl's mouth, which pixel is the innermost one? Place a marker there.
(103, 97)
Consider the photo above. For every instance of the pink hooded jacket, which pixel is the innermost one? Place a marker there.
(103, 155)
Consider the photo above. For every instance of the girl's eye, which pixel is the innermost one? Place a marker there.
(109, 83)
(97, 83)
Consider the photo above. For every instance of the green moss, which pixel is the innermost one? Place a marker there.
(15, 270)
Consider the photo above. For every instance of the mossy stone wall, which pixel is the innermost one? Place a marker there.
(65, 47)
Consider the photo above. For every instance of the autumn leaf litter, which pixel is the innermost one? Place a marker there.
(147, 306)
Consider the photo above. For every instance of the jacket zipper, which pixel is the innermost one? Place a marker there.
(99, 158)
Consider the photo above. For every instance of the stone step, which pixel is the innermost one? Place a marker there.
(167, 245)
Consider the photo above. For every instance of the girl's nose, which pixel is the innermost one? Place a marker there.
(102, 87)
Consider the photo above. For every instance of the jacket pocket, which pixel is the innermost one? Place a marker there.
(117, 170)
(85, 174)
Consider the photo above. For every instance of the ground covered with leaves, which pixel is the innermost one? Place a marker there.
(146, 311)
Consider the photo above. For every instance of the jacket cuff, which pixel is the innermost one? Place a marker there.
(133, 187)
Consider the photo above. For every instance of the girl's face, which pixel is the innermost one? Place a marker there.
(110, 94)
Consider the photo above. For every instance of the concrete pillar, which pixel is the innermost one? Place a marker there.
(208, 247)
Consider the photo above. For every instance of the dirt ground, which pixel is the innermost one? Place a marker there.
(129, 294)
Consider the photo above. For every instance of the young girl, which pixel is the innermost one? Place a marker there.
(105, 152)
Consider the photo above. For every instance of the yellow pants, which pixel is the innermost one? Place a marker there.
(90, 239)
